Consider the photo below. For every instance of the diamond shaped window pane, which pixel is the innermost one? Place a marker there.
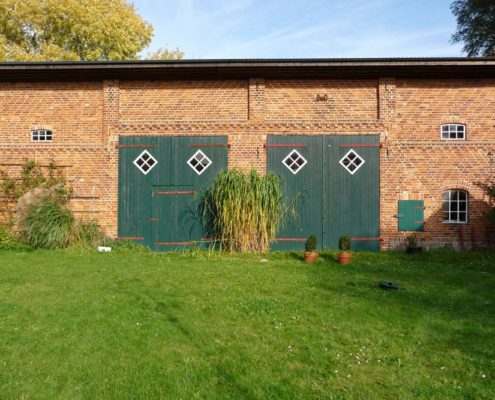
(145, 162)
(352, 161)
(199, 162)
(294, 161)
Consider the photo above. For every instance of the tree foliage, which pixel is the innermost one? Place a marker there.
(475, 26)
(71, 30)
(165, 54)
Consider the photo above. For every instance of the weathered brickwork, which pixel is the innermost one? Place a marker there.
(87, 119)
(423, 106)
(184, 101)
(321, 100)
(74, 111)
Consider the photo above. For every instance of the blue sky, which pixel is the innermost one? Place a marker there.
(298, 28)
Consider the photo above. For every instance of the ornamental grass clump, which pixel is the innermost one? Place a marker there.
(48, 225)
(243, 212)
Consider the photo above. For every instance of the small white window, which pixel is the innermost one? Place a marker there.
(453, 132)
(41, 135)
(455, 206)
(294, 161)
(199, 162)
(145, 162)
(352, 161)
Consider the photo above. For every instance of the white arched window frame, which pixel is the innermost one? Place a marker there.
(455, 206)
(453, 132)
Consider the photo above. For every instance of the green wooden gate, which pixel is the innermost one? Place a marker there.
(335, 180)
(160, 179)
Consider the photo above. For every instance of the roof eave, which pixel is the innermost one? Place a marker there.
(232, 69)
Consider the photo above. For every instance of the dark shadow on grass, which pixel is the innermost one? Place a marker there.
(156, 305)
(296, 255)
(330, 258)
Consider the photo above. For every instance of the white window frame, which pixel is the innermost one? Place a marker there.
(140, 168)
(341, 162)
(205, 157)
(450, 201)
(46, 134)
(456, 138)
(300, 167)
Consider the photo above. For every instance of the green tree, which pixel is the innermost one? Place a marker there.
(475, 26)
(71, 30)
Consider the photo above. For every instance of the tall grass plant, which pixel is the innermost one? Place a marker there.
(244, 211)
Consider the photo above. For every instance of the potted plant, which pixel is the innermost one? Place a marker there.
(345, 254)
(412, 245)
(310, 255)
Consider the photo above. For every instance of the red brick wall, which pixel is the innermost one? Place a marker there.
(184, 100)
(87, 119)
(321, 100)
(417, 164)
(74, 111)
(422, 106)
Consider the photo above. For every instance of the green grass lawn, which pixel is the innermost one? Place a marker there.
(185, 326)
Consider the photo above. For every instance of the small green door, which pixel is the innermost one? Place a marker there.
(335, 180)
(411, 216)
(174, 220)
(160, 183)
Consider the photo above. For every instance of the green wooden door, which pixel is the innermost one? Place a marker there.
(160, 183)
(351, 194)
(336, 182)
(297, 159)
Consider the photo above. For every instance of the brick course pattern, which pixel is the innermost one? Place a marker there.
(87, 119)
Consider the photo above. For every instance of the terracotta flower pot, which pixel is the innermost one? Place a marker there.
(345, 257)
(310, 256)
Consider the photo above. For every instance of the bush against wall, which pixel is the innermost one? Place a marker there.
(489, 189)
(7, 239)
(244, 211)
(31, 186)
(42, 218)
(49, 224)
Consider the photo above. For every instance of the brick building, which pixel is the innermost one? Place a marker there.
(378, 147)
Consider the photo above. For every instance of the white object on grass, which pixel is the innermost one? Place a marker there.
(104, 249)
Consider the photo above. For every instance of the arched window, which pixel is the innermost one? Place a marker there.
(455, 206)
(453, 132)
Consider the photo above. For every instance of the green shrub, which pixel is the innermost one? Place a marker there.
(49, 225)
(7, 239)
(311, 243)
(489, 189)
(87, 234)
(345, 243)
(243, 212)
(124, 246)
